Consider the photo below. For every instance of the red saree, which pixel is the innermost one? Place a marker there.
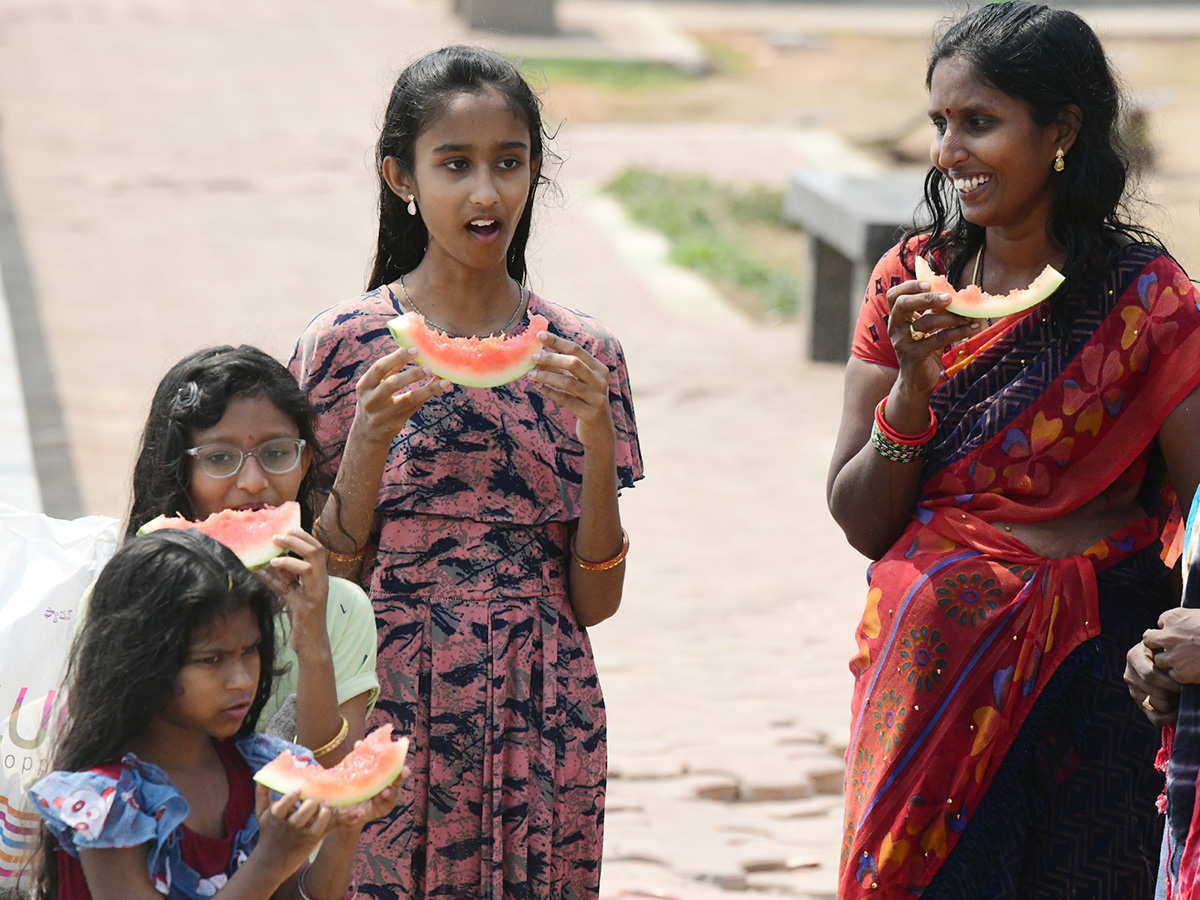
(964, 625)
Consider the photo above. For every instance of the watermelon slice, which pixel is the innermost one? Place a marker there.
(471, 361)
(249, 533)
(374, 763)
(974, 303)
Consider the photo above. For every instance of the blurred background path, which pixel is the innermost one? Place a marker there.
(185, 174)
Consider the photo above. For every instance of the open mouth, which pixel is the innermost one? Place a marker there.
(484, 228)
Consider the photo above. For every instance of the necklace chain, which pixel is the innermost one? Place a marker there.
(977, 279)
(507, 325)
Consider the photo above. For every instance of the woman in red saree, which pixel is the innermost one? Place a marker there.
(1015, 482)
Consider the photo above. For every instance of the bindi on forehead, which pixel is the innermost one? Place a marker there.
(947, 110)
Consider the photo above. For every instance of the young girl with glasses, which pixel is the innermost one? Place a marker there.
(230, 429)
(484, 522)
(152, 792)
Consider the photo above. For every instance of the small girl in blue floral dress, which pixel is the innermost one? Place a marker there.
(153, 793)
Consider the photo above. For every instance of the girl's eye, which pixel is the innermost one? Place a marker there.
(252, 650)
(455, 165)
(509, 164)
(208, 660)
(940, 125)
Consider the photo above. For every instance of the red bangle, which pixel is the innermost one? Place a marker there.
(908, 440)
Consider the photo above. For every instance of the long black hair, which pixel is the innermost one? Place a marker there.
(193, 396)
(419, 96)
(1053, 61)
(148, 605)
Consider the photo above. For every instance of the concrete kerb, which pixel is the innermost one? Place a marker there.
(36, 473)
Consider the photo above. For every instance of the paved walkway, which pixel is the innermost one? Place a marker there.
(188, 174)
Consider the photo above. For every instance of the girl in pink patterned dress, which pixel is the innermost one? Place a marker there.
(484, 523)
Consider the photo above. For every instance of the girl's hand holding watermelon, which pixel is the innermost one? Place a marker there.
(388, 394)
(338, 830)
(302, 583)
(569, 375)
(572, 377)
(290, 829)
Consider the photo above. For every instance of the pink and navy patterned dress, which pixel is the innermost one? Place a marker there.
(481, 660)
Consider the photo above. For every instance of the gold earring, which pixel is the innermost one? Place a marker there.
(1059, 165)
(412, 203)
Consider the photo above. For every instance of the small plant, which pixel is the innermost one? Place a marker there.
(719, 232)
(613, 75)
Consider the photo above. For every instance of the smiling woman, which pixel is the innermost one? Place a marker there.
(1017, 484)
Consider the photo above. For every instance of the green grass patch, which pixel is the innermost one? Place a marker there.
(739, 238)
(616, 75)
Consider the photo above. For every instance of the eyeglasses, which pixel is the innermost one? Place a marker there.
(276, 456)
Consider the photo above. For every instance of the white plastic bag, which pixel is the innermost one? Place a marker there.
(46, 566)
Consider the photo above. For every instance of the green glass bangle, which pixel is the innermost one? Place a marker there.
(894, 450)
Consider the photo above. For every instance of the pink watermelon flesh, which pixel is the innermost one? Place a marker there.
(250, 533)
(375, 762)
(471, 361)
(977, 304)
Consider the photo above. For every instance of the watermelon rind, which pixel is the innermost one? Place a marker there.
(973, 303)
(250, 533)
(375, 762)
(486, 371)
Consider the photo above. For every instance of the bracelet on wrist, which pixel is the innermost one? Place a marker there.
(333, 554)
(901, 448)
(303, 888)
(336, 742)
(604, 565)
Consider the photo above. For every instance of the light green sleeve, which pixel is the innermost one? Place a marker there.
(352, 638)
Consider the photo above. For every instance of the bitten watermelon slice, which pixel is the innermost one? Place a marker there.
(374, 763)
(471, 361)
(249, 533)
(974, 303)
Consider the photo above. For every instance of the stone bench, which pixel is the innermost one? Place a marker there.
(851, 221)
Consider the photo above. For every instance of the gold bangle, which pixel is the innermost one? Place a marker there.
(333, 554)
(606, 564)
(335, 743)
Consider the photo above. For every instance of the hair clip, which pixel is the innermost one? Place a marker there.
(187, 395)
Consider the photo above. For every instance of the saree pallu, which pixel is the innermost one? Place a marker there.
(964, 625)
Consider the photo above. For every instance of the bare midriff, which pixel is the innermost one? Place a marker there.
(1079, 529)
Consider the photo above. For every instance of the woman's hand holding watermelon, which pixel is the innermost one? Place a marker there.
(920, 328)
